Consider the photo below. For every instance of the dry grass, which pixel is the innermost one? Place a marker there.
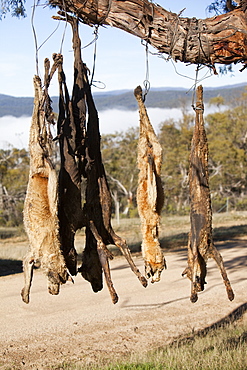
(173, 234)
(221, 348)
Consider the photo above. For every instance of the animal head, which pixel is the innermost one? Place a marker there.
(153, 270)
(55, 280)
(152, 254)
(91, 269)
(93, 276)
(56, 272)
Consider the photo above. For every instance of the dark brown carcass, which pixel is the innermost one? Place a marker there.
(150, 195)
(72, 136)
(81, 151)
(70, 208)
(98, 203)
(200, 243)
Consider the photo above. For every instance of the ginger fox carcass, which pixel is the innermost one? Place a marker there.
(150, 195)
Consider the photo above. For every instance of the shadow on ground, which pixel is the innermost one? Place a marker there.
(10, 267)
(181, 239)
(176, 242)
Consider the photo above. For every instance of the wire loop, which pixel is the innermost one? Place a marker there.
(96, 35)
(146, 82)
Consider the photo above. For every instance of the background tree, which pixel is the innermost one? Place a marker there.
(218, 101)
(221, 39)
(16, 7)
(227, 140)
(119, 153)
(14, 170)
(175, 138)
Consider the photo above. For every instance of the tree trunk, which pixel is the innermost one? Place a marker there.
(220, 39)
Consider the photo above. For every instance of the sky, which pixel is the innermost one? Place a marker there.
(121, 61)
(120, 57)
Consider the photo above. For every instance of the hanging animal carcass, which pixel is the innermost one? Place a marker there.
(98, 204)
(41, 202)
(200, 243)
(81, 157)
(70, 212)
(150, 195)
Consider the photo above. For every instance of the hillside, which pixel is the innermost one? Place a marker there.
(122, 99)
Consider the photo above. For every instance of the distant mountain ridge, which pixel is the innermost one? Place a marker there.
(167, 97)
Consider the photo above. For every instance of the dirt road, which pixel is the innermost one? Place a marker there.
(82, 326)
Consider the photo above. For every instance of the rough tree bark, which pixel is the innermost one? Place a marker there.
(220, 39)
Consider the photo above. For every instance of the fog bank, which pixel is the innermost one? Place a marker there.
(15, 131)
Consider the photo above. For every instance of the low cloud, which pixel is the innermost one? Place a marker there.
(113, 120)
(15, 131)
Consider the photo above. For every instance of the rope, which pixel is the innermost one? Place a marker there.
(98, 87)
(37, 48)
(91, 42)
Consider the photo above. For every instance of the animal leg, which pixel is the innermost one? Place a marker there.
(219, 260)
(191, 271)
(121, 244)
(28, 265)
(188, 270)
(53, 283)
(195, 280)
(104, 256)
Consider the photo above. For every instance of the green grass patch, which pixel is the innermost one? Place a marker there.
(223, 348)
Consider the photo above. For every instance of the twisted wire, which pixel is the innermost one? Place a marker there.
(65, 27)
(146, 82)
(35, 37)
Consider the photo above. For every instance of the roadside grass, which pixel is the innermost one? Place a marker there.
(9, 232)
(221, 348)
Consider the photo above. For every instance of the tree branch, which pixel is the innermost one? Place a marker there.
(220, 39)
